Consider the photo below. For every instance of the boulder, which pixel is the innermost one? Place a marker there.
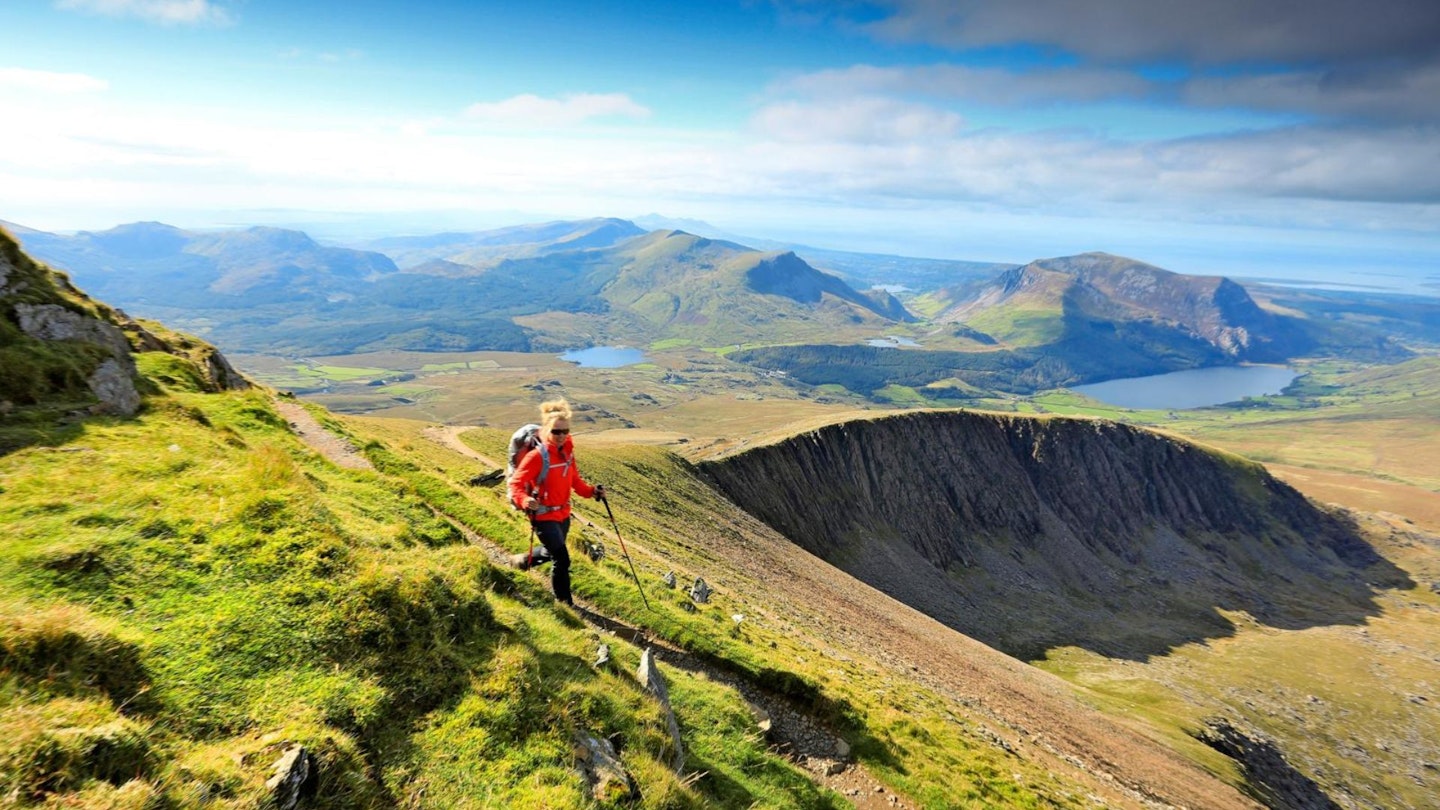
(114, 386)
(601, 768)
(701, 592)
(296, 776)
(54, 322)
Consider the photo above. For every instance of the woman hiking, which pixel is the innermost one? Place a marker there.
(541, 485)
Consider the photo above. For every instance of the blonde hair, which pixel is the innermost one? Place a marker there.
(553, 410)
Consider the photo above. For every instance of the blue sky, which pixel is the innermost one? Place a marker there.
(1277, 138)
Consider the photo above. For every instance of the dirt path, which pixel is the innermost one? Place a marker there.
(449, 436)
(322, 441)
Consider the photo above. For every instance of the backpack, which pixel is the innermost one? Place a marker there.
(524, 440)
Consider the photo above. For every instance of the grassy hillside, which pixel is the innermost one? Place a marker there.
(185, 594)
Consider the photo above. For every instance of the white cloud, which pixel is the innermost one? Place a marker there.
(165, 12)
(533, 111)
(45, 81)
(870, 119)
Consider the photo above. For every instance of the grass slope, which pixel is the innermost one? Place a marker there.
(186, 593)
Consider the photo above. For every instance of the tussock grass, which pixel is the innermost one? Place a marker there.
(62, 744)
(64, 650)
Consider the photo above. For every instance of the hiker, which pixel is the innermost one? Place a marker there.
(541, 486)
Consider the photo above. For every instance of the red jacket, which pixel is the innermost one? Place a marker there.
(554, 492)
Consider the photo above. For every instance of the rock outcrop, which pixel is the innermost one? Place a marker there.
(62, 348)
(113, 380)
(1032, 532)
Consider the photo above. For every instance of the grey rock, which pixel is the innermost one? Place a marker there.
(54, 322)
(763, 721)
(650, 679)
(6, 270)
(602, 656)
(1265, 766)
(701, 592)
(223, 375)
(296, 774)
(669, 579)
(115, 388)
(601, 768)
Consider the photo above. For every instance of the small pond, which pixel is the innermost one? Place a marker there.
(604, 356)
(1195, 388)
(891, 341)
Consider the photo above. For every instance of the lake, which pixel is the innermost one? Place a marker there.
(604, 356)
(1196, 388)
(891, 341)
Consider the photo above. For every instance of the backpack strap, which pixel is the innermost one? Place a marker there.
(544, 471)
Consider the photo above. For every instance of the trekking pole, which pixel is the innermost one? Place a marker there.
(530, 556)
(606, 500)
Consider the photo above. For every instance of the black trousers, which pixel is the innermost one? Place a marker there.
(552, 536)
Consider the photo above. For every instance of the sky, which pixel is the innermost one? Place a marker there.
(1254, 138)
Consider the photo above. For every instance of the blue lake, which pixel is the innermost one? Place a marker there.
(604, 356)
(1196, 388)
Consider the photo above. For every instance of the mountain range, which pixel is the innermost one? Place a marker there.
(558, 285)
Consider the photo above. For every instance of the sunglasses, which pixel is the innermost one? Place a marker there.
(554, 432)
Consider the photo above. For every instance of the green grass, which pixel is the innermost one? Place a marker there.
(1020, 326)
(187, 590)
(900, 395)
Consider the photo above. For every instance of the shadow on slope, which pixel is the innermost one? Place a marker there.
(1030, 533)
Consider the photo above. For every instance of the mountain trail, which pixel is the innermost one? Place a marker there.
(333, 447)
(449, 436)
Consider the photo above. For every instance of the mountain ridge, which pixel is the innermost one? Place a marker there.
(1016, 516)
(1053, 295)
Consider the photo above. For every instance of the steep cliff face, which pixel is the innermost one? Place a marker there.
(1029, 533)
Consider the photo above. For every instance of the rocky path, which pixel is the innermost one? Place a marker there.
(322, 441)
